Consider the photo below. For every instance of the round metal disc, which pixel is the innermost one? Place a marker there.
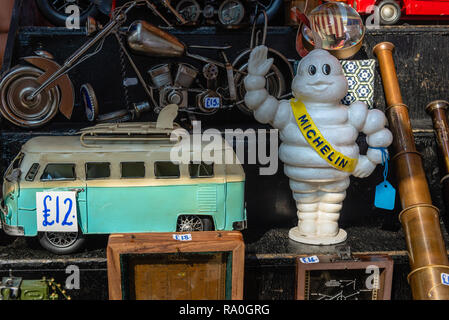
(15, 87)
(189, 9)
(90, 101)
(231, 12)
(275, 85)
(210, 71)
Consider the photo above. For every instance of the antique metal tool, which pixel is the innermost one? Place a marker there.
(419, 217)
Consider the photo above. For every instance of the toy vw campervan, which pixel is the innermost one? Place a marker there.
(116, 178)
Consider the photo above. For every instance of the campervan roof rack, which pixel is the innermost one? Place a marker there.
(130, 132)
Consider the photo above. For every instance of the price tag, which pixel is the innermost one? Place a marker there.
(445, 279)
(183, 237)
(56, 211)
(311, 259)
(212, 102)
(385, 196)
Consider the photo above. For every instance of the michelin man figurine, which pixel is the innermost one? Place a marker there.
(318, 137)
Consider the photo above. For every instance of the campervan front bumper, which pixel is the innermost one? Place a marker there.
(240, 225)
(9, 230)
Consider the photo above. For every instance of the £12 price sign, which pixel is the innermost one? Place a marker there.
(56, 211)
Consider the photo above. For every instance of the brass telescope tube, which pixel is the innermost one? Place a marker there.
(438, 111)
(419, 218)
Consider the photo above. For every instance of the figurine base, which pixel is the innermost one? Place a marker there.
(319, 241)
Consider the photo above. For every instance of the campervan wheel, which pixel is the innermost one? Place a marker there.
(194, 223)
(61, 242)
(189, 223)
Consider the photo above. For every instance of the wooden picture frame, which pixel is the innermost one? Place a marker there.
(170, 265)
(309, 276)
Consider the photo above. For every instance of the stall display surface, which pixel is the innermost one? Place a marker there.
(270, 254)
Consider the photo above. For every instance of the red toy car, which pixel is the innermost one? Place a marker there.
(391, 11)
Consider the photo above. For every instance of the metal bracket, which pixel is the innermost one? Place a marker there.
(344, 253)
(64, 84)
(77, 190)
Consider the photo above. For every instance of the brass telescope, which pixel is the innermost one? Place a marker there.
(438, 111)
(419, 218)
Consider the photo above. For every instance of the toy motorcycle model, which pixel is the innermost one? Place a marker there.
(30, 95)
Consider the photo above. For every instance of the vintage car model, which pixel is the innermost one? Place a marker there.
(391, 11)
(123, 181)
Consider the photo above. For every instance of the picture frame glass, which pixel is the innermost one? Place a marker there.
(176, 276)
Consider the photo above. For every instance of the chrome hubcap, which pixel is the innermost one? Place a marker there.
(61, 239)
(388, 12)
(189, 223)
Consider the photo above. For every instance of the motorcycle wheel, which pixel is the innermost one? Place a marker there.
(14, 87)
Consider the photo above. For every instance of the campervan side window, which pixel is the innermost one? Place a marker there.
(32, 172)
(98, 170)
(59, 171)
(201, 170)
(133, 169)
(17, 161)
(166, 170)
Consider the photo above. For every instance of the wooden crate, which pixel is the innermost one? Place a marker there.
(363, 277)
(149, 266)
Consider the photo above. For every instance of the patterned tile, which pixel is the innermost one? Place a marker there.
(360, 75)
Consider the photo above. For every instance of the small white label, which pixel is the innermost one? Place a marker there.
(129, 82)
(311, 259)
(56, 211)
(183, 237)
(445, 279)
(212, 102)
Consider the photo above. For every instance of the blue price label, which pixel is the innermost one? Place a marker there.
(212, 102)
(385, 196)
(183, 237)
(445, 279)
(311, 259)
(56, 211)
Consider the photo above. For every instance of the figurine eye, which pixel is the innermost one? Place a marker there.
(312, 70)
(326, 69)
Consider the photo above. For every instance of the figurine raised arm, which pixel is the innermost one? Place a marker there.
(318, 136)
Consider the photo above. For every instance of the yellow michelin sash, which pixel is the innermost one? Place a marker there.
(316, 140)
